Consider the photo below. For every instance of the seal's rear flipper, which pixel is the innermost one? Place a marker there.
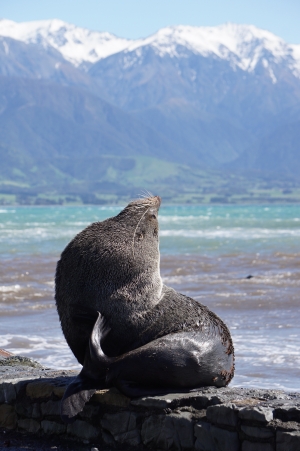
(77, 394)
(102, 342)
(98, 336)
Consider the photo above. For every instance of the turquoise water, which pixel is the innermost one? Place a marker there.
(207, 253)
(183, 229)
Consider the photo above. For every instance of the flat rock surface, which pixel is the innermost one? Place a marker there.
(21, 368)
(212, 396)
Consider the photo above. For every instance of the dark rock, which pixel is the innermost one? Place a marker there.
(111, 397)
(8, 417)
(258, 413)
(204, 438)
(30, 410)
(123, 427)
(173, 431)
(198, 399)
(257, 432)
(89, 411)
(251, 446)
(287, 412)
(223, 414)
(29, 425)
(51, 427)
(288, 441)
(50, 408)
(224, 440)
(7, 393)
(39, 389)
(83, 430)
(159, 402)
(212, 438)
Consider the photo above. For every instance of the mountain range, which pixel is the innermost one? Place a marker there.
(86, 111)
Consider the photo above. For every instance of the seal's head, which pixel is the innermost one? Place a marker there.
(141, 219)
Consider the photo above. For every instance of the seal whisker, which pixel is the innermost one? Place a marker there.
(145, 194)
(149, 193)
(142, 195)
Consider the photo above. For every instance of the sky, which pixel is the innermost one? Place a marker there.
(140, 18)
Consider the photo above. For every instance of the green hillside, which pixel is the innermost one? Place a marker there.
(123, 179)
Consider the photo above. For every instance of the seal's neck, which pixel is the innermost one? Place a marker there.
(143, 292)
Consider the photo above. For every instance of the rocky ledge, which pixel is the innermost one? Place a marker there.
(211, 419)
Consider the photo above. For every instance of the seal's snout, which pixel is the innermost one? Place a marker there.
(145, 202)
(154, 201)
(153, 204)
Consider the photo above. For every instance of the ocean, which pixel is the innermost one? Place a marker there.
(243, 262)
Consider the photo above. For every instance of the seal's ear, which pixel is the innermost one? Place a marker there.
(77, 394)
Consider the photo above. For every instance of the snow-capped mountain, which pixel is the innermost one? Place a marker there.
(210, 96)
(244, 46)
(77, 45)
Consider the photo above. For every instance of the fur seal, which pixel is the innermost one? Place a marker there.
(124, 326)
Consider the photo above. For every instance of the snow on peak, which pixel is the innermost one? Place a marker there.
(76, 44)
(243, 45)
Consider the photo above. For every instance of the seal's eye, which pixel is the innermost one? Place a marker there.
(153, 216)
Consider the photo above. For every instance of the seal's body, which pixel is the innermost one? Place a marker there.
(123, 325)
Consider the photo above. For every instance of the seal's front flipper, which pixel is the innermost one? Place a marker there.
(92, 376)
(77, 394)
